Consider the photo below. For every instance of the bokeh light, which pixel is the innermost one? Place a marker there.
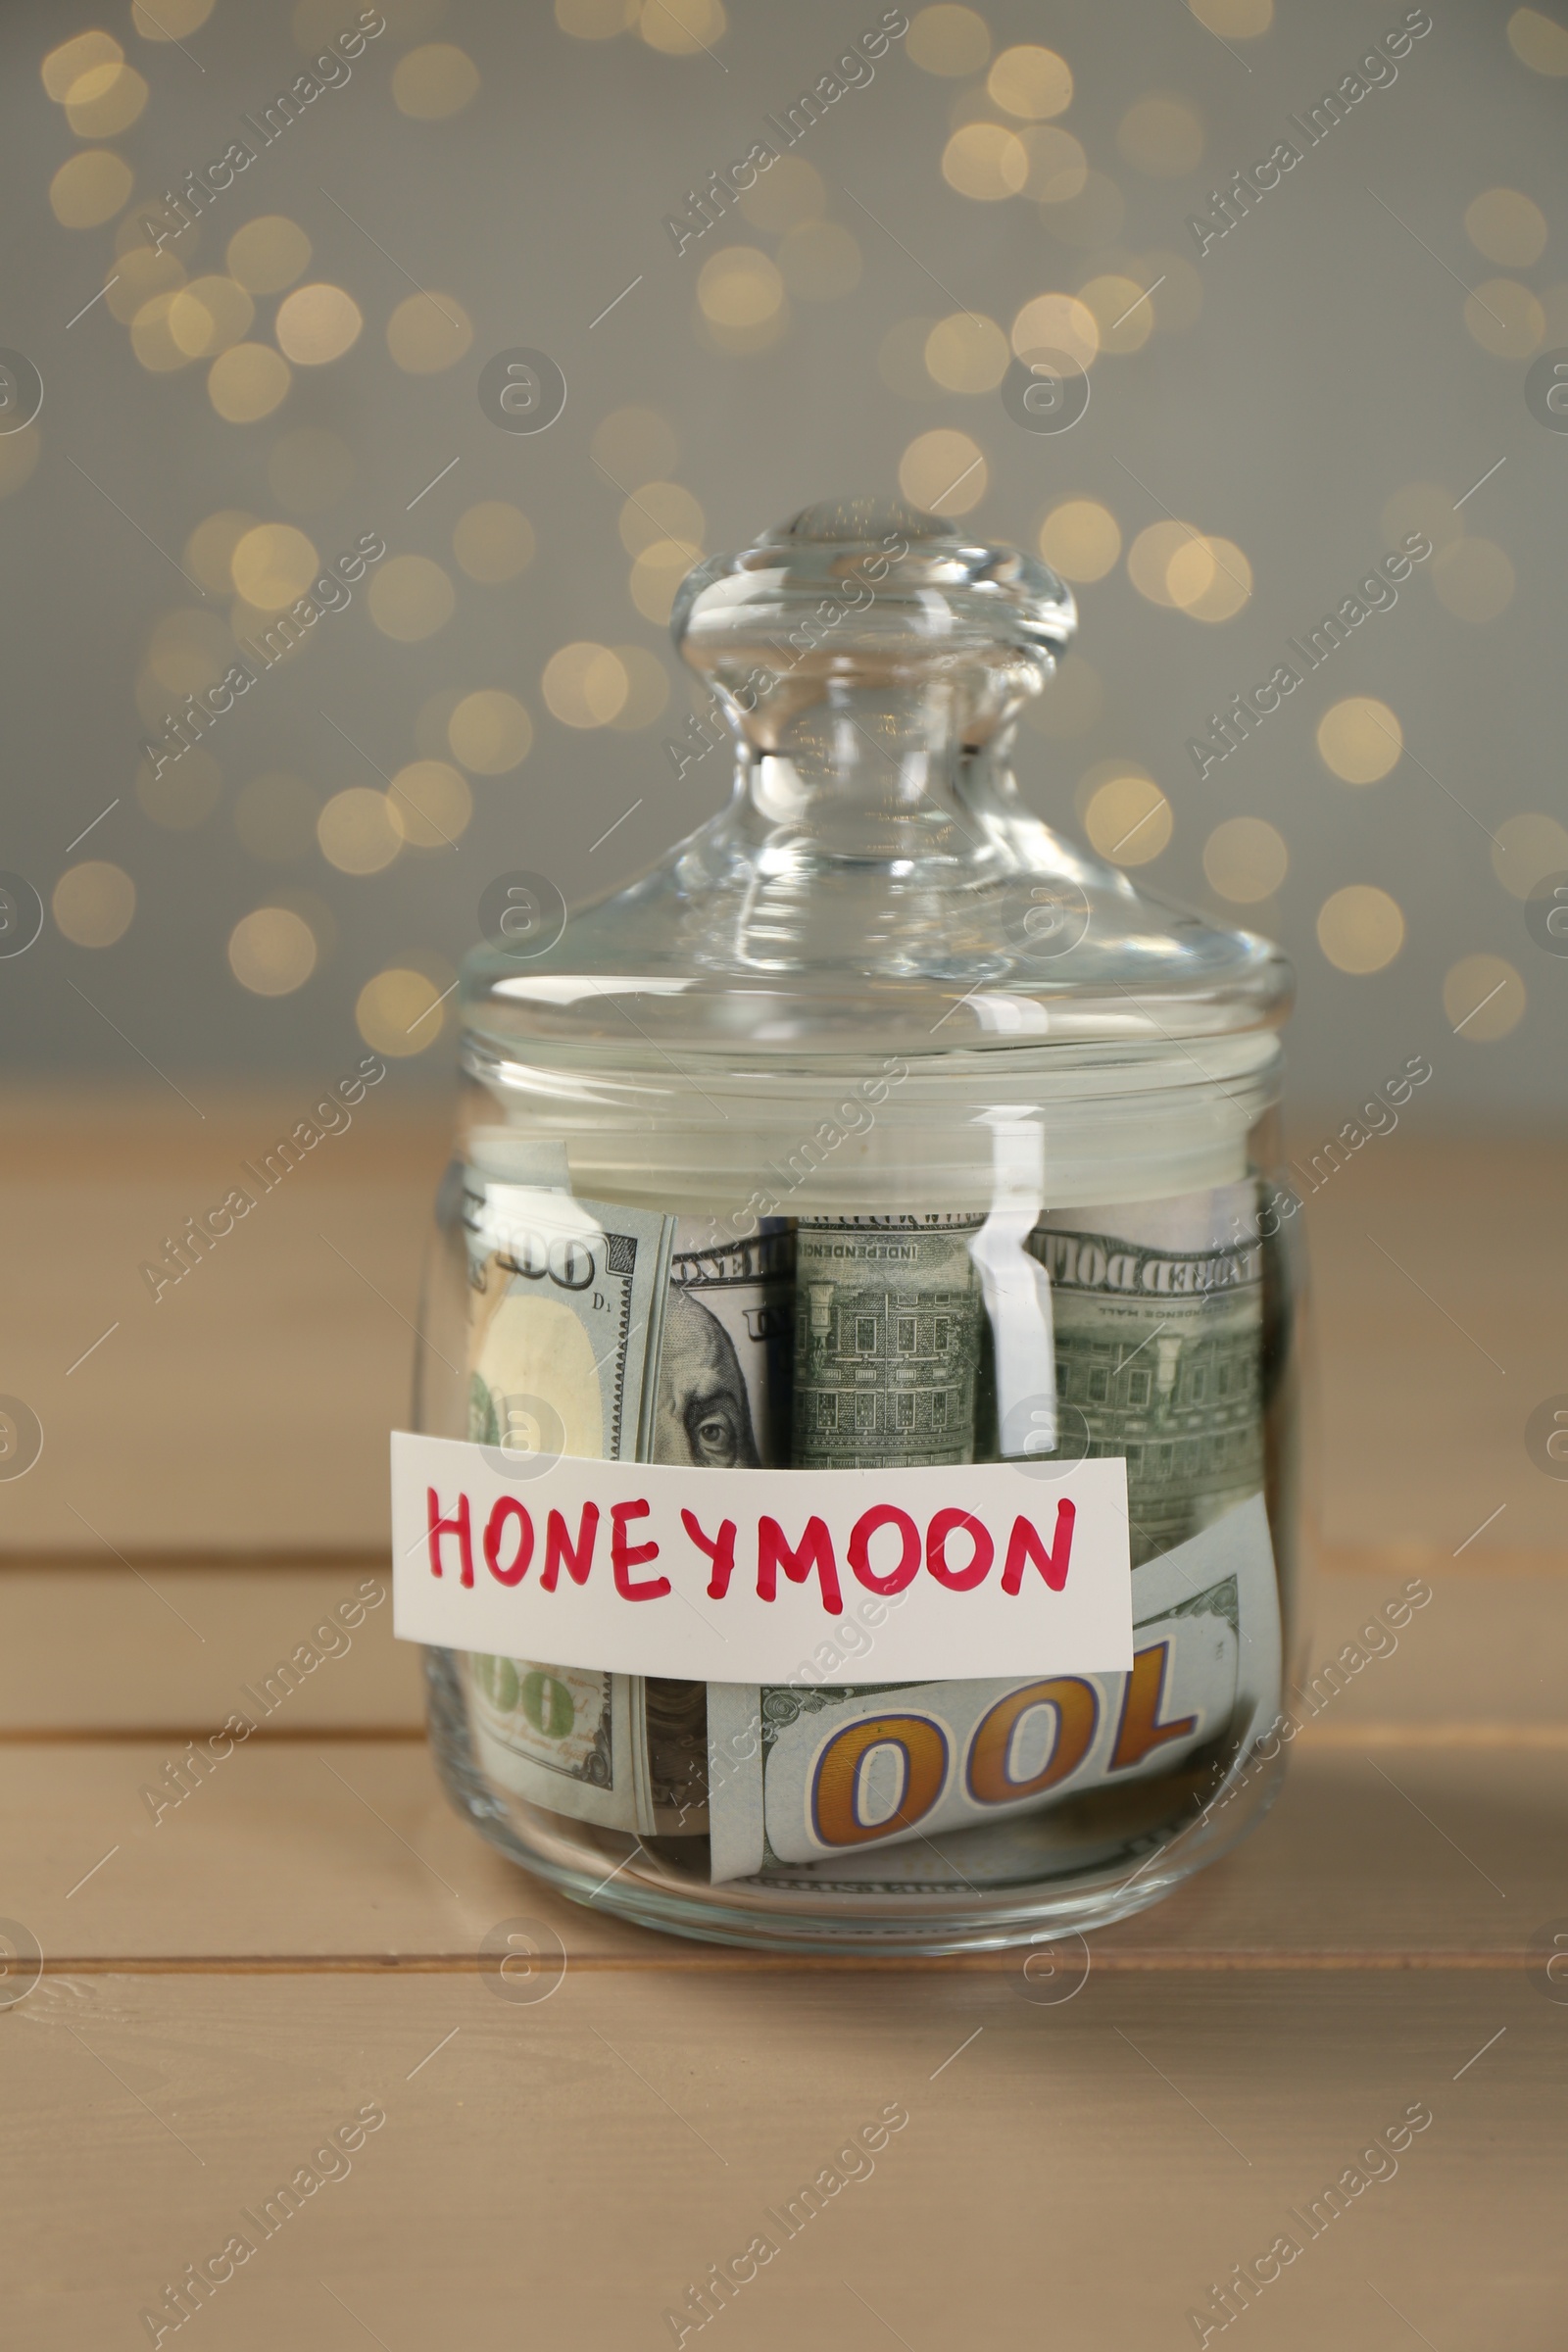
(105, 101)
(647, 688)
(208, 314)
(681, 28)
(268, 254)
(1509, 228)
(188, 650)
(1055, 323)
(65, 66)
(1421, 508)
(739, 286)
(493, 542)
(657, 573)
(137, 276)
(1128, 818)
(428, 332)
(317, 325)
(272, 952)
(1234, 19)
(89, 188)
(1151, 553)
(1474, 579)
(356, 831)
(1031, 82)
(1360, 929)
(948, 41)
(1209, 578)
(271, 565)
(401, 1010)
(657, 511)
(489, 732)
(1538, 41)
(410, 598)
(248, 382)
(172, 20)
(1058, 167)
(966, 352)
(985, 161)
(430, 804)
(943, 473)
(1081, 539)
(1526, 848)
(1123, 313)
(93, 902)
(1359, 739)
(585, 685)
(1484, 998)
(434, 81)
(1244, 859)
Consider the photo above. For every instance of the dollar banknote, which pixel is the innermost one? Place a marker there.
(1159, 1325)
(888, 1315)
(938, 1785)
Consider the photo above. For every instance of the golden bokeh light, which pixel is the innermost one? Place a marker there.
(657, 573)
(986, 161)
(489, 732)
(1031, 82)
(681, 28)
(185, 792)
(309, 468)
(1209, 580)
(1081, 539)
(356, 831)
(173, 21)
(189, 650)
(493, 542)
(1526, 848)
(658, 510)
(105, 101)
(317, 325)
(151, 338)
(1359, 739)
(1360, 929)
(248, 382)
(739, 286)
(93, 902)
(410, 598)
(1128, 818)
(1244, 859)
(1121, 308)
(1421, 507)
(1055, 323)
(943, 473)
(89, 188)
(271, 565)
(209, 316)
(785, 196)
(1162, 136)
(1484, 998)
(635, 445)
(137, 276)
(948, 41)
(819, 260)
(647, 688)
(585, 685)
(1072, 703)
(1151, 553)
(1474, 579)
(1234, 19)
(268, 254)
(400, 1011)
(1058, 167)
(1538, 41)
(275, 817)
(595, 19)
(272, 952)
(433, 82)
(428, 332)
(1509, 228)
(65, 66)
(430, 804)
(966, 352)
(1505, 319)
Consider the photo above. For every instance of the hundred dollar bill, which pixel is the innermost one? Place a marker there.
(1158, 1315)
(887, 1340)
(934, 1785)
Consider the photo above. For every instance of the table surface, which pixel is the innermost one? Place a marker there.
(294, 1945)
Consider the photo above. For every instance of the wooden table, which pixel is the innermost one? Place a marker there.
(294, 1943)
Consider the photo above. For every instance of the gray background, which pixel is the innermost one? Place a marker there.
(1329, 368)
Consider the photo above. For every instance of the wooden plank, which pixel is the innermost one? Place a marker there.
(291, 1848)
(565, 2170)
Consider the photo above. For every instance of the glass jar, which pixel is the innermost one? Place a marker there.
(901, 1132)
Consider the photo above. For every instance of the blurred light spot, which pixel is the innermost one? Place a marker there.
(1080, 539)
(89, 188)
(248, 382)
(274, 816)
(1361, 928)
(490, 733)
(681, 28)
(1128, 819)
(949, 41)
(427, 332)
(966, 352)
(595, 19)
(493, 542)
(1425, 508)
(1234, 19)
(410, 598)
(151, 339)
(272, 952)
(1093, 216)
(1058, 167)
(943, 473)
(105, 101)
(1244, 859)
(1538, 41)
(785, 196)
(739, 286)
(1505, 318)
(268, 254)
(585, 685)
(1359, 739)
(1483, 997)
(430, 804)
(1031, 82)
(93, 902)
(1506, 227)
(986, 161)
(209, 316)
(1473, 579)
(19, 458)
(189, 650)
(314, 22)
(398, 1014)
(648, 688)
(1525, 850)
(73, 58)
(819, 260)
(657, 573)
(434, 83)
(1163, 136)
(173, 21)
(636, 444)
(1122, 310)
(661, 511)
(317, 323)
(356, 831)
(185, 794)
(272, 564)
(901, 360)
(309, 468)
(1209, 580)
(1071, 703)
(1055, 322)
(1151, 555)
(137, 277)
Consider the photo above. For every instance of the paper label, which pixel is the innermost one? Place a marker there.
(741, 1576)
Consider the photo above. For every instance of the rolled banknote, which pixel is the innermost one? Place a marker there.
(887, 1340)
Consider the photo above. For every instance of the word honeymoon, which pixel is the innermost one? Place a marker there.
(199, 712)
(1229, 729)
(508, 1545)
